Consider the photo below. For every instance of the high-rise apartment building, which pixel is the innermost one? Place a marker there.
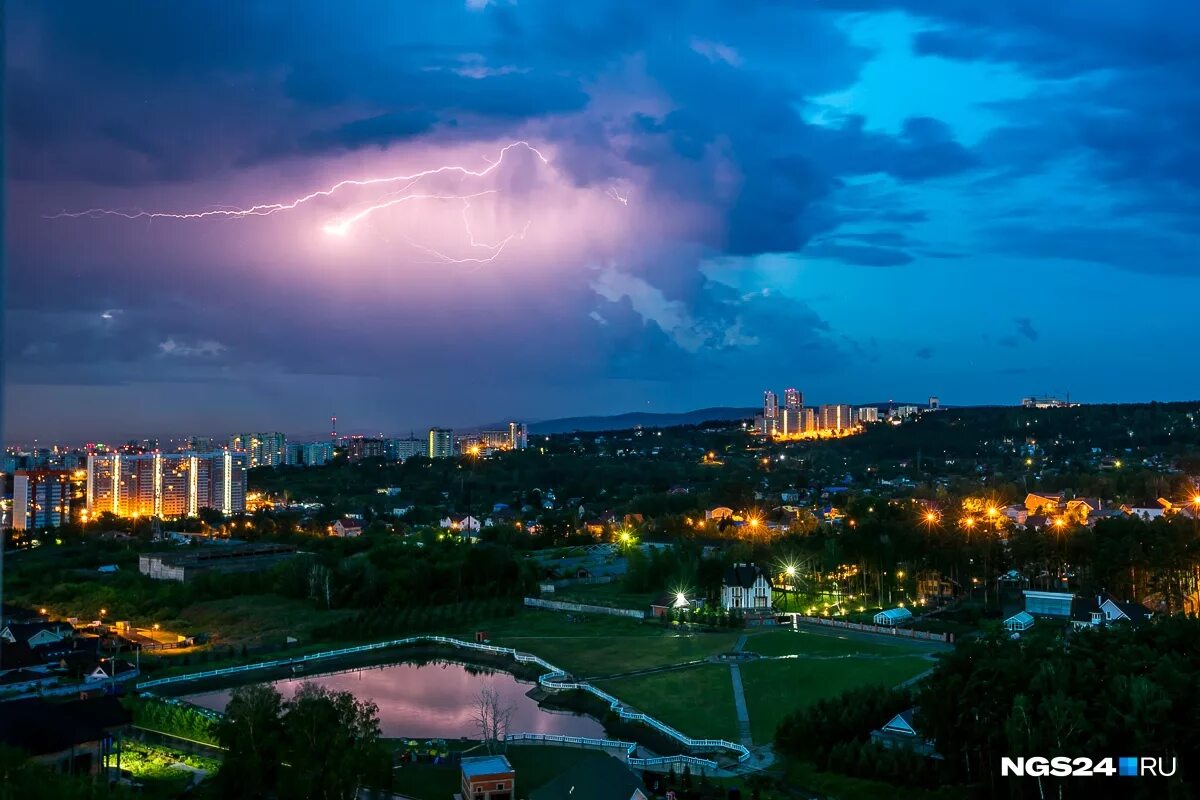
(166, 485)
(518, 435)
(441, 443)
(868, 414)
(770, 404)
(41, 499)
(835, 418)
(264, 449)
(309, 454)
(793, 399)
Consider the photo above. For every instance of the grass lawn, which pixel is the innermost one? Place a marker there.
(821, 643)
(832, 784)
(592, 646)
(535, 766)
(697, 701)
(776, 688)
(604, 594)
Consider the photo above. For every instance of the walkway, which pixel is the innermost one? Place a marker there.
(739, 697)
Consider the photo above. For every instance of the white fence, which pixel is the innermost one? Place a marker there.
(608, 744)
(865, 627)
(552, 679)
(580, 608)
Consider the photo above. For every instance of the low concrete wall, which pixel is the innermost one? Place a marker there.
(559, 605)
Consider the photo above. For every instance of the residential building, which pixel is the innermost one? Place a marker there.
(361, 448)
(793, 399)
(1104, 609)
(868, 414)
(488, 778)
(42, 498)
(441, 443)
(835, 418)
(404, 449)
(74, 738)
(770, 404)
(347, 528)
(518, 436)
(460, 522)
(745, 586)
(264, 449)
(166, 485)
(309, 454)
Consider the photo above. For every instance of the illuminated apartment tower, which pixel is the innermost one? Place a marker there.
(768, 421)
(103, 474)
(41, 499)
(229, 482)
(835, 418)
(791, 416)
(441, 443)
(518, 436)
(166, 485)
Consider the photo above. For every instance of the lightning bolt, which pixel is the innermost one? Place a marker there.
(613, 193)
(342, 226)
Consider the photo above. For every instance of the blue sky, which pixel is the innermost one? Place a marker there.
(862, 200)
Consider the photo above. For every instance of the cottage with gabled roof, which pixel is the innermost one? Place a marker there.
(745, 586)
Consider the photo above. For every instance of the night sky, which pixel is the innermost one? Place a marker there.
(979, 200)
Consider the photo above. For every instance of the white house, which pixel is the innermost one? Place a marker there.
(461, 522)
(1146, 510)
(35, 634)
(347, 528)
(1104, 609)
(745, 586)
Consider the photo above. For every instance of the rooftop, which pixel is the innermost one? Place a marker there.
(485, 765)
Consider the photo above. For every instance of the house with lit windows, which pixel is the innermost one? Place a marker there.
(745, 587)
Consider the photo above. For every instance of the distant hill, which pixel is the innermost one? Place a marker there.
(645, 419)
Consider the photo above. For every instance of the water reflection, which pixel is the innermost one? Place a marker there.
(433, 700)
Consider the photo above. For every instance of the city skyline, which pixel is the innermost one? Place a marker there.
(446, 215)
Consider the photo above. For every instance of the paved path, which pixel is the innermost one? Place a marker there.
(739, 702)
(739, 696)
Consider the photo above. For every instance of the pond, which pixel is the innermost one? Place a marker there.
(432, 700)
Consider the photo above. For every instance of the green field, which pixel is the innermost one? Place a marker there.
(776, 688)
(592, 646)
(699, 700)
(696, 700)
(821, 643)
(535, 766)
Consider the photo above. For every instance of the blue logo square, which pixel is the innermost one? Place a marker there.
(1128, 766)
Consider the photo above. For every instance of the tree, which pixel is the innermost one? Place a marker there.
(331, 744)
(252, 732)
(491, 718)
